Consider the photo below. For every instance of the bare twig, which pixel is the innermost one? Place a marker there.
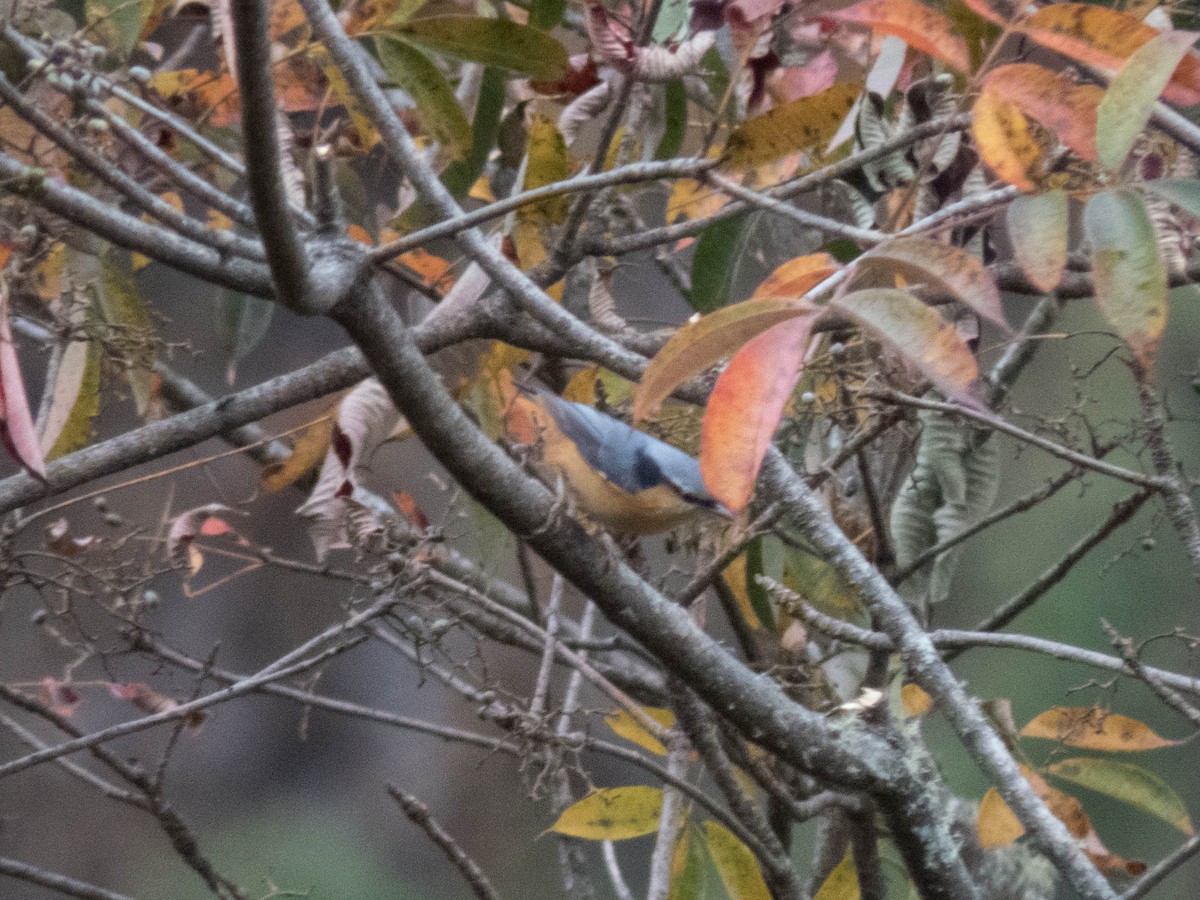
(418, 814)
(71, 887)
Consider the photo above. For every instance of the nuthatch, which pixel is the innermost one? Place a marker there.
(620, 477)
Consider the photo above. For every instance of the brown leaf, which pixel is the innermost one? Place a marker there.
(1094, 729)
(189, 525)
(59, 696)
(152, 702)
(58, 539)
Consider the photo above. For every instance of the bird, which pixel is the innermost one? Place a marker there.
(622, 478)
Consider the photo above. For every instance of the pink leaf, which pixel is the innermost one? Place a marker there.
(16, 424)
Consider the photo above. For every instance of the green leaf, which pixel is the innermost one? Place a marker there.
(759, 600)
(735, 863)
(244, 323)
(671, 17)
(713, 263)
(119, 23)
(1130, 276)
(624, 724)
(437, 107)
(1128, 783)
(919, 333)
(547, 163)
(818, 583)
(493, 42)
(1182, 192)
(689, 869)
(76, 400)
(674, 118)
(803, 124)
(842, 882)
(546, 14)
(1129, 100)
(612, 814)
(461, 174)
(1037, 227)
(122, 307)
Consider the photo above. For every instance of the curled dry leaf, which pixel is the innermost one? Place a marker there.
(341, 511)
(583, 109)
(59, 696)
(203, 521)
(613, 42)
(58, 539)
(152, 702)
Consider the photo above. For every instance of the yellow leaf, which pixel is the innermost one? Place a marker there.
(548, 163)
(633, 731)
(842, 883)
(735, 864)
(803, 124)
(136, 260)
(996, 824)
(612, 814)
(735, 579)
(1094, 729)
(1006, 141)
(915, 701)
(308, 451)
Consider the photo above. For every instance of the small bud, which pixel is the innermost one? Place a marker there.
(808, 397)
(1149, 543)
(837, 348)
(113, 520)
(100, 502)
(97, 126)
(140, 74)
(39, 616)
(27, 233)
(150, 598)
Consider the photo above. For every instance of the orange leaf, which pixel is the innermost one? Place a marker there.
(433, 269)
(1105, 38)
(917, 24)
(1094, 729)
(703, 341)
(1066, 108)
(996, 824)
(915, 701)
(745, 408)
(797, 277)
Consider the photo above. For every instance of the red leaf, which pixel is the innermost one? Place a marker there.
(917, 24)
(745, 407)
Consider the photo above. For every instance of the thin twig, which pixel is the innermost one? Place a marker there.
(418, 814)
(1006, 612)
(64, 884)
